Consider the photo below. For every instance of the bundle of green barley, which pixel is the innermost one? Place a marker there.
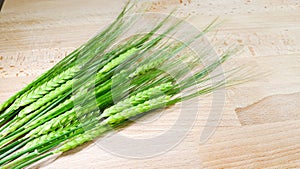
(84, 96)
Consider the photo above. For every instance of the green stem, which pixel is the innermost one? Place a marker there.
(51, 106)
(6, 148)
(7, 122)
(20, 153)
(13, 147)
(29, 158)
(29, 162)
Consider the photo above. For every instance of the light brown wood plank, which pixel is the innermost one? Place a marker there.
(273, 108)
(259, 146)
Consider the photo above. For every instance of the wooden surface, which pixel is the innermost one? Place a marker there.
(260, 125)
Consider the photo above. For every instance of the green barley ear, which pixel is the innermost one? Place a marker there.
(109, 66)
(41, 91)
(59, 122)
(105, 126)
(137, 99)
(43, 78)
(16, 118)
(136, 110)
(50, 136)
(74, 116)
(48, 97)
(147, 67)
(82, 138)
(25, 127)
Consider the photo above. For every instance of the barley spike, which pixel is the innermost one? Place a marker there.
(137, 99)
(45, 99)
(147, 67)
(135, 110)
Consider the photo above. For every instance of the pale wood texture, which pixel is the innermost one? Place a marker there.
(260, 123)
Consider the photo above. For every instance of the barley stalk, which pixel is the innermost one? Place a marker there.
(43, 141)
(17, 121)
(33, 124)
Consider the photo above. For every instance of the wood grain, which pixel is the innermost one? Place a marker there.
(273, 108)
(275, 145)
(34, 35)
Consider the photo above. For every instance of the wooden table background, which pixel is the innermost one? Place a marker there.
(260, 126)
